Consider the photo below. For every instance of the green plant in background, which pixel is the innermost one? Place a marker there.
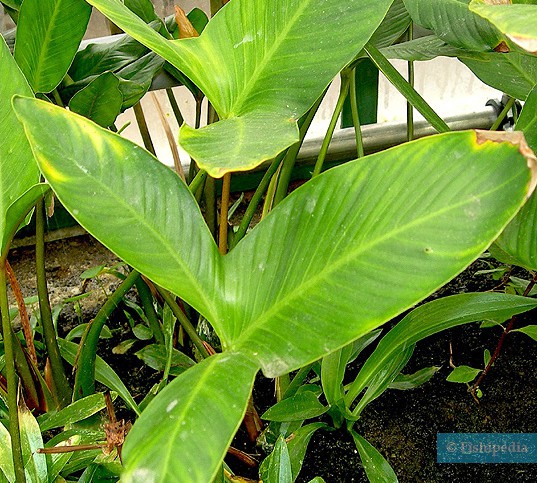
(309, 282)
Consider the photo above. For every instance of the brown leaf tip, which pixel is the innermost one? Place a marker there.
(517, 139)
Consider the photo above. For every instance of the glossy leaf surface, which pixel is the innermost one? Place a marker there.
(187, 428)
(276, 468)
(246, 64)
(420, 212)
(519, 22)
(453, 22)
(48, 35)
(377, 469)
(518, 242)
(18, 170)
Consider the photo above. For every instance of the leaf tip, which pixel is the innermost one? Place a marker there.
(515, 138)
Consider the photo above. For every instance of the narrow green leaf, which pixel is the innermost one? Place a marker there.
(278, 68)
(77, 411)
(486, 357)
(56, 462)
(35, 464)
(155, 356)
(18, 171)
(453, 22)
(188, 427)
(48, 35)
(103, 373)
(530, 330)
(298, 445)
(304, 405)
(388, 214)
(463, 374)
(100, 100)
(410, 381)
(276, 468)
(333, 368)
(434, 317)
(518, 22)
(423, 48)
(377, 469)
(527, 122)
(6, 457)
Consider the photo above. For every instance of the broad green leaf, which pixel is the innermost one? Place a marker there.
(298, 445)
(410, 381)
(453, 22)
(142, 332)
(518, 71)
(527, 122)
(276, 468)
(188, 427)
(35, 464)
(253, 66)
(463, 374)
(304, 405)
(434, 317)
(77, 411)
(48, 35)
(393, 26)
(6, 456)
(377, 469)
(419, 212)
(529, 330)
(155, 356)
(518, 242)
(101, 184)
(519, 22)
(143, 8)
(103, 373)
(18, 170)
(100, 100)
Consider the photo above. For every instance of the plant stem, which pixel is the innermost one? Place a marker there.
(198, 181)
(144, 130)
(61, 384)
(85, 364)
(355, 116)
(289, 160)
(11, 377)
(343, 91)
(409, 108)
(501, 116)
(498, 349)
(224, 208)
(183, 320)
(210, 204)
(399, 82)
(147, 303)
(256, 198)
(175, 107)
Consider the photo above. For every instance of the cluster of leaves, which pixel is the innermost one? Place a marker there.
(307, 289)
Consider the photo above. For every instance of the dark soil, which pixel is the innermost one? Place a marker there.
(402, 425)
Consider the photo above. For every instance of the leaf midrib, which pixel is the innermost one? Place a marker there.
(299, 290)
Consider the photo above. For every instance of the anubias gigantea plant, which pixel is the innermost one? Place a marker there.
(348, 251)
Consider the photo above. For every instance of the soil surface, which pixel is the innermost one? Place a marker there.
(402, 425)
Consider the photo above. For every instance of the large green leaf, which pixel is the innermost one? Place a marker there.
(48, 35)
(18, 170)
(514, 73)
(185, 431)
(518, 242)
(433, 317)
(454, 23)
(138, 207)
(273, 57)
(409, 218)
(519, 22)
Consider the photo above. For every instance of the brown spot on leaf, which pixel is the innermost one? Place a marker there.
(517, 139)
